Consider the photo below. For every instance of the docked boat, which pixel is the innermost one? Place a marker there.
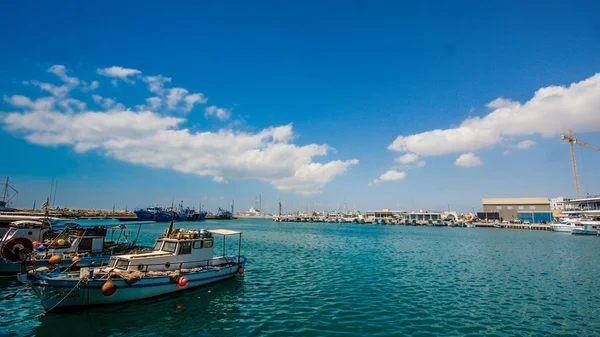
(30, 244)
(586, 230)
(566, 226)
(181, 259)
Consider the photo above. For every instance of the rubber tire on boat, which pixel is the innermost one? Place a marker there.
(167, 265)
(140, 267)
(11, 249)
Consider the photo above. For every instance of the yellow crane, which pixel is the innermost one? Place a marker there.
(572, 140)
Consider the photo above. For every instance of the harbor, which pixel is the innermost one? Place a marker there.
(61, 262)
(465, 266)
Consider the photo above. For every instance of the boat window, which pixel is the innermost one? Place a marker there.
(198, 244)
(111, 263)
(157, 245)
(208, 243)
(85, 244)
(185, 248)
(169, 247)
(122, 264)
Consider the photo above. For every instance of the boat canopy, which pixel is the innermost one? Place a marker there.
(224, 232)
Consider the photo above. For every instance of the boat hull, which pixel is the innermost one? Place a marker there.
(581, 231)
(66, 294)
(562, 228)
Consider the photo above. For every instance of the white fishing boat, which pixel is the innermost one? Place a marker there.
(180, 260)
(566, 226)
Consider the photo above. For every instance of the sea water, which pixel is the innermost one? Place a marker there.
(315, 279)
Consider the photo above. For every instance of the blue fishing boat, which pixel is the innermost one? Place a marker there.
(35, 244)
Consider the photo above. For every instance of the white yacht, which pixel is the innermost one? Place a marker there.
(566, 226)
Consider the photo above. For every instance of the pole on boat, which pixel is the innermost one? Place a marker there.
(138, 234)
(239, 247)
(170, 228)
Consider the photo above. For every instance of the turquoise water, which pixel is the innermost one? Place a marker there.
(306, 279)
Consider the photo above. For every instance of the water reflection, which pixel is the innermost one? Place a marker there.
(194, 308)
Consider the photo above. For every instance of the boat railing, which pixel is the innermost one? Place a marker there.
(228, 261)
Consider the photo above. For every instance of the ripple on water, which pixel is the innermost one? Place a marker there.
(340, 280)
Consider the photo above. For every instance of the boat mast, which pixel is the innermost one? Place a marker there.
(279, 203)
(6, 192)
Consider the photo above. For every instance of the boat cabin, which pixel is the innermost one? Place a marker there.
(179, 249)
(30, 229)
(76, 238)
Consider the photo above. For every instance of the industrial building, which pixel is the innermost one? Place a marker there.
(533, 210)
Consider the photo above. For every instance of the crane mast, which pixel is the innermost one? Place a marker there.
(572, 140)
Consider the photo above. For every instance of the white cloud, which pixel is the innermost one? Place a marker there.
(92, 86)
(525, 145)
(61, 72)
(468, 160)
(191, 100)
(220, 113)
(506, 153)
(104, 102)
(71, 105)
(310, 178)
(119, 72)
(407, 158)
(220, 180)
(175, 96)
(149, 138)
(421, 164)
(25, 102)
(56, 91)
(549, 113)
(156, 84)
(391, 175)
(154, 102)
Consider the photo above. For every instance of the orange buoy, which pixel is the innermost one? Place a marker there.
(109, 288)
(35, 243)
(182, 282)
(54, 259)
(75, 259)
(240, 270)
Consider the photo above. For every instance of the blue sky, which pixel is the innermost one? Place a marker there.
(302, 101)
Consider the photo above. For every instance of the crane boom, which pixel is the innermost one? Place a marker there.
(572, 140)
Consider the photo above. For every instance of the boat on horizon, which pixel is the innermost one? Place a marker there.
(159, 214)
(181, 259)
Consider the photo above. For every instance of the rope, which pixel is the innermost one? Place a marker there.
(62, 299)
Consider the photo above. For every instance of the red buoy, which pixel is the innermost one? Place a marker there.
(240, 270)
(32, 260)
(182, 282)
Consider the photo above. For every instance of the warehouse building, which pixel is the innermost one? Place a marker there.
(533, 210)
